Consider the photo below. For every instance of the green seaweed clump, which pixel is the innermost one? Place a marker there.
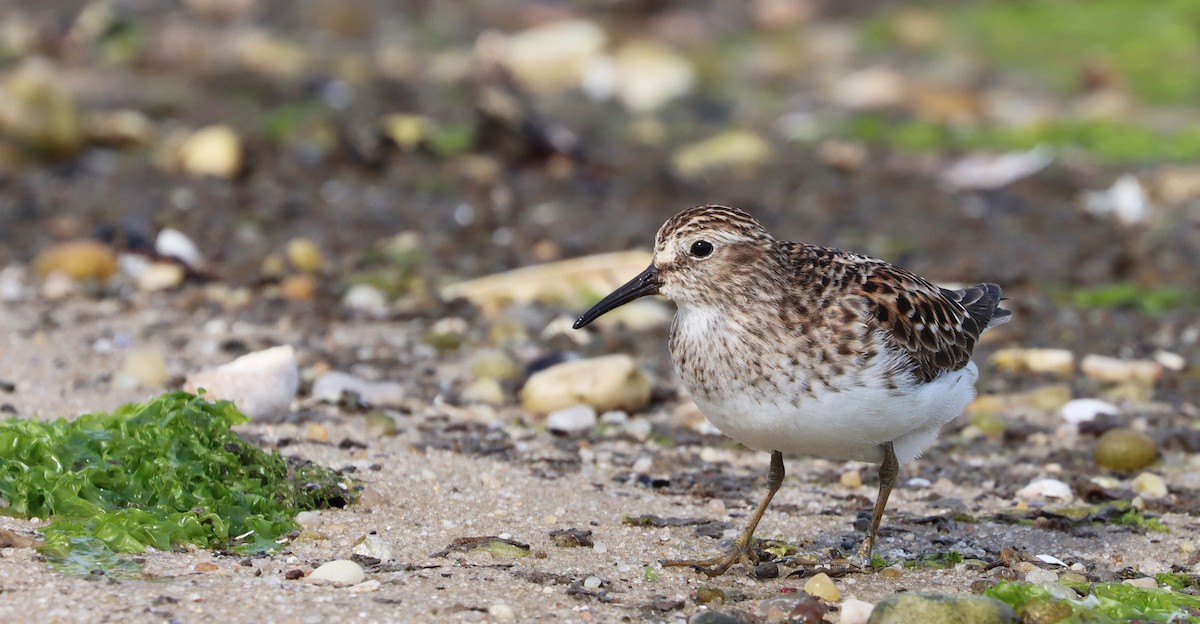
(1105, 603)
(161, 474)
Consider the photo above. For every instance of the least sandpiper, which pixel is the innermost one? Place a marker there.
(793, 348)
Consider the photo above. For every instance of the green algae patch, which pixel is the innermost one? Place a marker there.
(1101, 604)
(162, 474)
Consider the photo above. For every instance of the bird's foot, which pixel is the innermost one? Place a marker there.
(718, 565)
(835, 566)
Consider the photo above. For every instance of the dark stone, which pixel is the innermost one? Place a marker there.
(766, 570)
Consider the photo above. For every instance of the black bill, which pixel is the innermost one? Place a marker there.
(646, 283)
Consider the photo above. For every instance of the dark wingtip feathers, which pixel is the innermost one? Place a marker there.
(982, 302)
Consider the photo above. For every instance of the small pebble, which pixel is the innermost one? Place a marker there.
(1125, 450)
(78, 260)
(1145, 582)
(855, 611)
(1086, 410)
(160, 276)
(766, 570)
(851, 479)
(380, 424)
(367, 299)
(332, 386)
(1042, 489)
(374, 546)
(1060, 362)
(371, 498)
(1149, 486)
(484, 390)
(341, 571)
(144, 367)
(1039, 576)
(493, 364)
(779, 609)
(212, 151)
(821, 586)
(171, 243)
(365, 587)
(305, 255)
(592, 583)
(316, 432)
(1114, 370)
(572, 419)
(298, 287)
(1170, 361)
(502, 612)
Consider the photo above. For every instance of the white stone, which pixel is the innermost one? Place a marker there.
(553, 56)
(614, 417)
(855, 611)
(262, 384)
(1086, 410)
(1170, 360)
(331, 386)
(366, 298)
(992, 171)
(649, 74)
(365, 587)
(175, 244)
(1051, 559)
(873, 87)
(572, 419)
(502, 612)
(341, 571)
(12, 284)
(592, 583)
(1041, 489)
(1126, 201)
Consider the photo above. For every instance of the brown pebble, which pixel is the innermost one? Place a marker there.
(207, 566)
(292, 575)
(79, 259)
(298, 287)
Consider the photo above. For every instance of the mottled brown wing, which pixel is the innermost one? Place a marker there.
(937, 326)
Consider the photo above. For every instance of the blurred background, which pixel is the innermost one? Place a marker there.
(303, 147)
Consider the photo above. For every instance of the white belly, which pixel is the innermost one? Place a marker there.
(848, 424)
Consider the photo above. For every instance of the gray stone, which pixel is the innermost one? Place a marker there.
(908, 607)
(719, 617)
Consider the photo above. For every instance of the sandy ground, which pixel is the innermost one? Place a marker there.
(60, 359)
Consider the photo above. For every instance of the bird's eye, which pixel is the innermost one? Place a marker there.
(701, 249)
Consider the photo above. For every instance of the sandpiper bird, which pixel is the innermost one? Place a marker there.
(793, 348)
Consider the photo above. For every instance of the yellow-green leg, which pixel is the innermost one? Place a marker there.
(743, 546)
(887, 480)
